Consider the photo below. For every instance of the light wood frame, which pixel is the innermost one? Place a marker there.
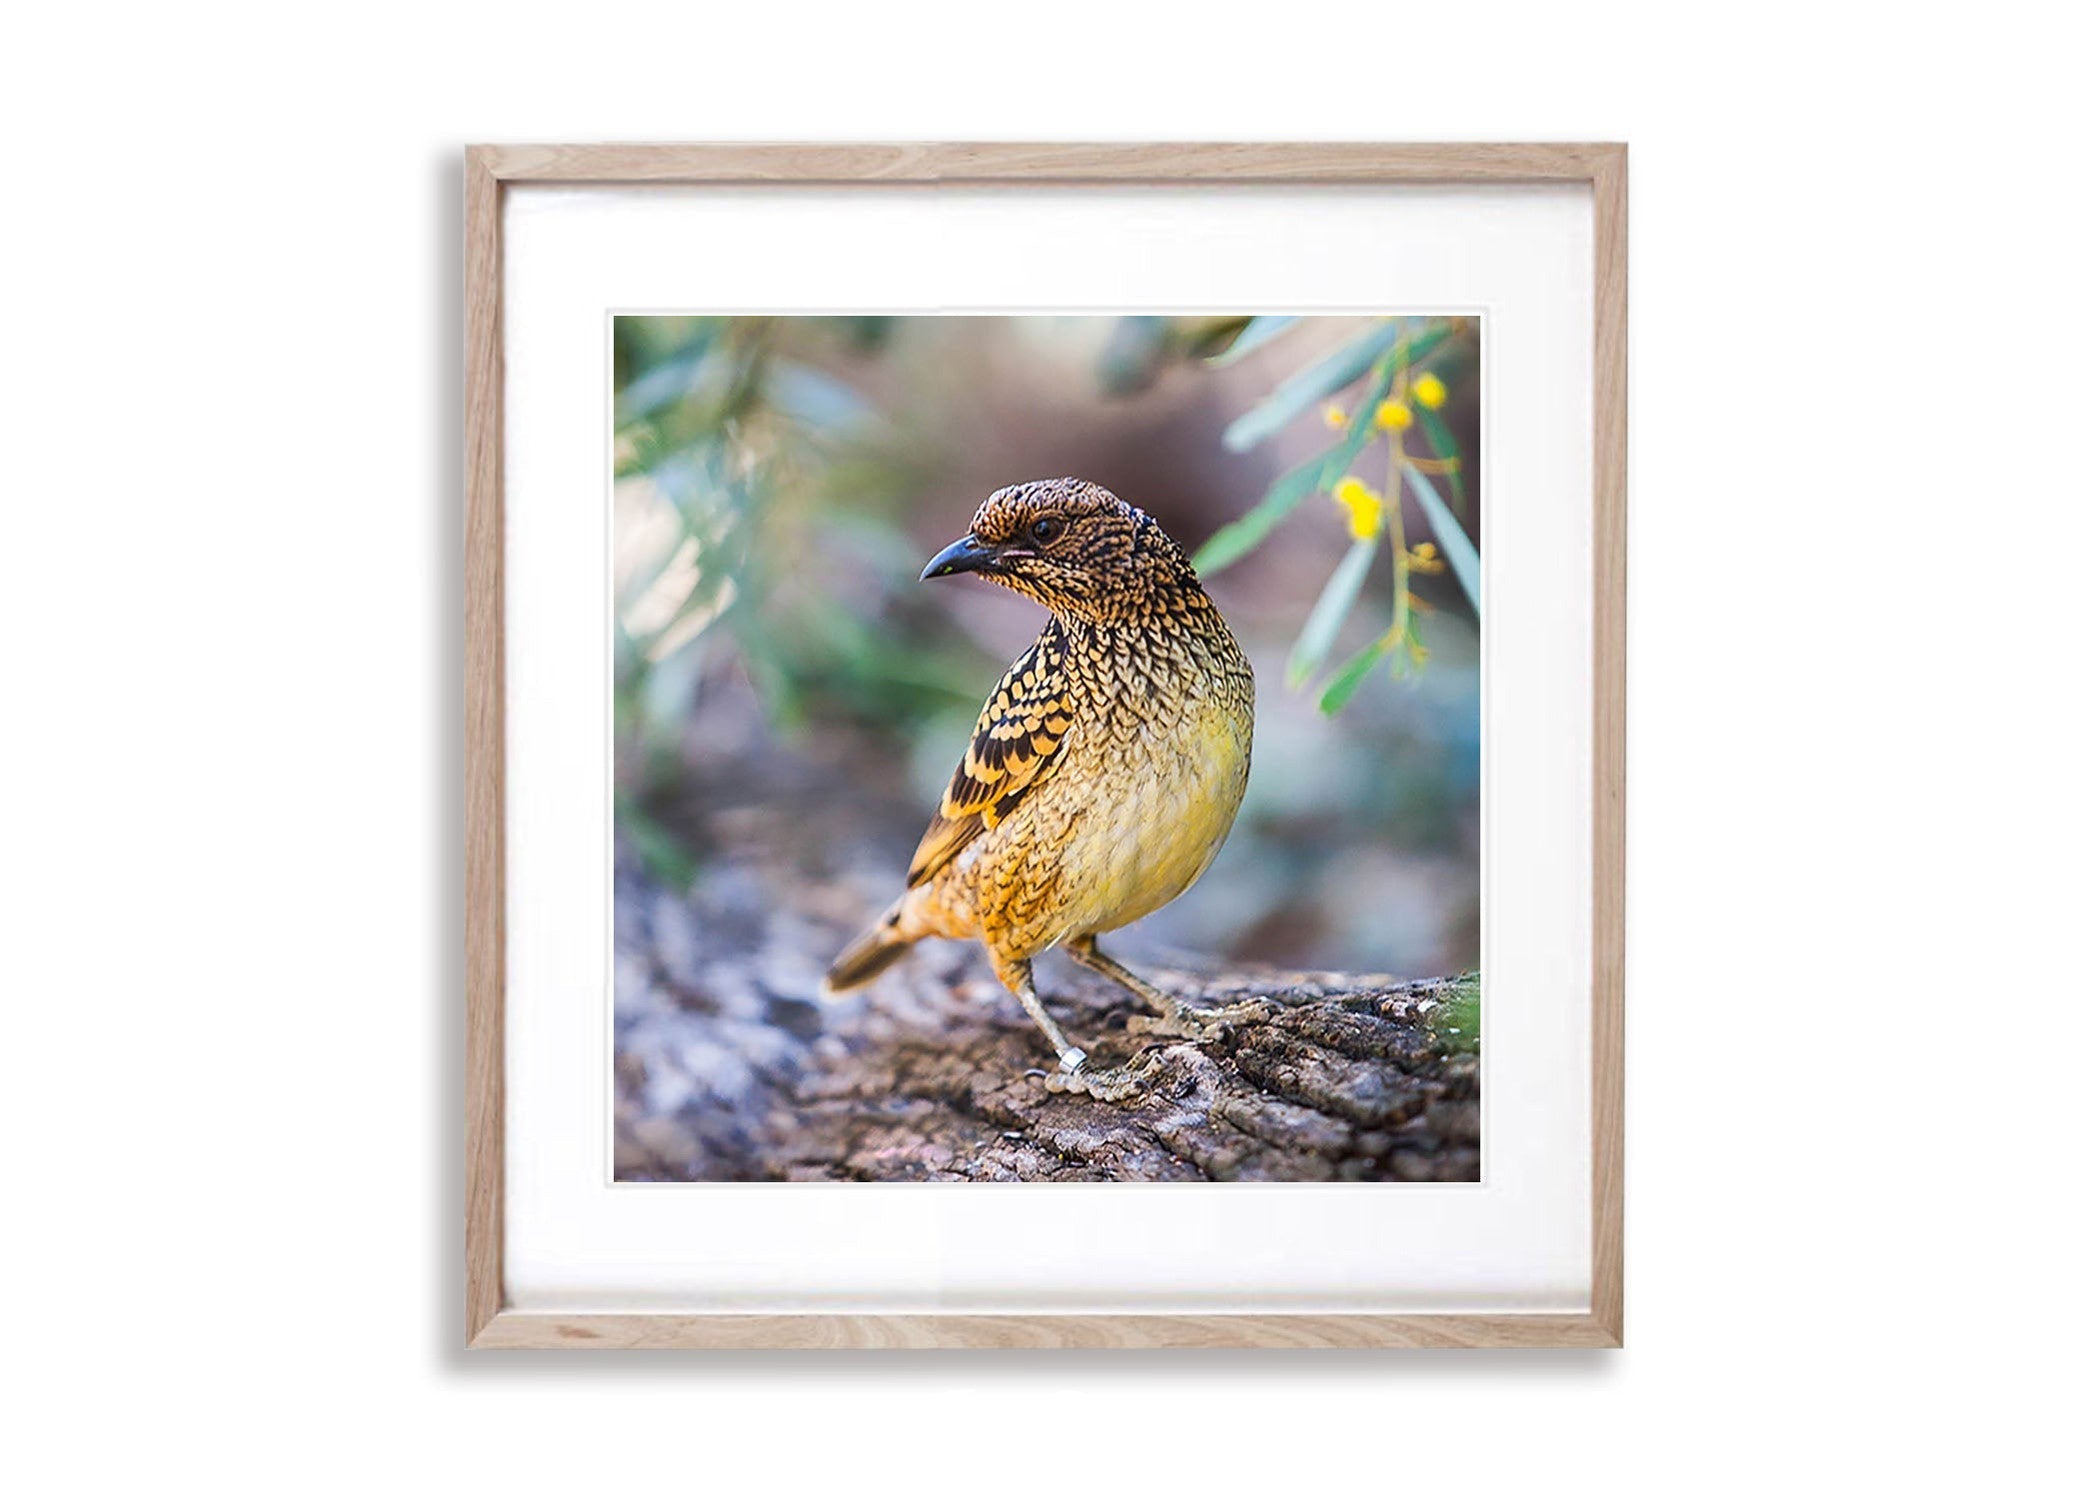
(491, 171)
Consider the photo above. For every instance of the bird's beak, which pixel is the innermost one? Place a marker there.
(966, 556)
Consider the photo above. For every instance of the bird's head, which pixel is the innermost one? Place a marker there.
(1071, 546)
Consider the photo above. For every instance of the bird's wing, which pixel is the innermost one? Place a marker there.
(1017, 743)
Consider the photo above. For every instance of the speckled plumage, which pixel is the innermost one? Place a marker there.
(1106, 767)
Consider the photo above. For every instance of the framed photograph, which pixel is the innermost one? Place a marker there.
(1045, 745)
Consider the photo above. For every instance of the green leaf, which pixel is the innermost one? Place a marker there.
(1444, 443)
(1328, 614)
(1343, 453)
(1309, 385)
(1241, 536)
(1256, 333)
(1457, 547)
(1207, 337)
(1343, 684)
(1431, 344)
(1130, 362)
(1236, 538)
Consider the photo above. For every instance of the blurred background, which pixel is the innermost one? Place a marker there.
(790, 699)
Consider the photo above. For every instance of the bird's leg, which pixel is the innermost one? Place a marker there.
(1171, 1017)
(1073, 1074)
(1019, 976)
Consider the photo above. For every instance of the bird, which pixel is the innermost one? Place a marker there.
(1105, 769)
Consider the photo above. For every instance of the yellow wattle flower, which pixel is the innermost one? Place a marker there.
(1394, 416)
(1336, 417)
(1429, 391)
(1363, 505)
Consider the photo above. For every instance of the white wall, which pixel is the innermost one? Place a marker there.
(1861, 1012)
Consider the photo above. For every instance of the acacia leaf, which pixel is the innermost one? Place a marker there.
(1444, 444)
(1256, 333)
(1308, 386)
(1457, 547)
(1330, 612)
(1353, 673)
(1236, 538)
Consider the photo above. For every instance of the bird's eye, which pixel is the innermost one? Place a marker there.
(1046, 530)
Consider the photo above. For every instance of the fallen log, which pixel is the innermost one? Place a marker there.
(729, 1068)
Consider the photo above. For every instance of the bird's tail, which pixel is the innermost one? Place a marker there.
(869, 953)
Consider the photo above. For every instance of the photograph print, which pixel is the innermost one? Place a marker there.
(1046, 748)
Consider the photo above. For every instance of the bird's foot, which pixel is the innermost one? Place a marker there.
(1188, 1022)
(1075, 1074)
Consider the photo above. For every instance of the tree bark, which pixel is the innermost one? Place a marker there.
(730, 1069)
